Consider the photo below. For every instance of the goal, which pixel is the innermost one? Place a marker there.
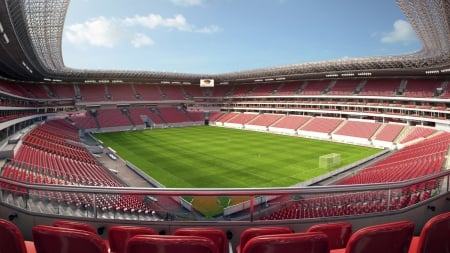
(329, 161)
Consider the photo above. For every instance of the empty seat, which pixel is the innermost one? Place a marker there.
(313, 242)
(75, 225)
(257, 231)
(170, 244)
(338, 233)
(392, 237)
(119, 235)
(218, 236)
(434, 237)
(12, 240)
(49, 239)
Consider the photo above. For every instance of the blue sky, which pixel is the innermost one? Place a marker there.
(221, 36)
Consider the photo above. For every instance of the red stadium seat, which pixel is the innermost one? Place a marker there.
(218, 236)
(392, 237)
(75, 225)
(434, 237)
(170, 244)
(314, 242)
(257, 231)
(338, 233)
(48, 239)
(119, 235)
(12, 240)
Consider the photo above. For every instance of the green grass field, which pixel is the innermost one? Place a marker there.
(206, 156)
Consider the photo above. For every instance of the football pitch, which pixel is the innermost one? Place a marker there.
(214, 157)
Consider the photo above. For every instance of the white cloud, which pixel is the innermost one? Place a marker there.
(209, 29)
(153, 21)
(178, 22)
(108, 32)
(187, 2)
(402, 33)
(98, 31)
(140, 40)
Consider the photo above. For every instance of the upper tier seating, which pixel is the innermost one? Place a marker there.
(315, 87)
(172, 92)
(289, 89)
(421, 88)
(344, 87)
(148, 92)
(380, 87)
(121, 92)
(63, 90)
(93, 92)
(265, 89)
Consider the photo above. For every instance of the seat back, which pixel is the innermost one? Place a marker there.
(49, 239)
(119, 235)
(435, 235)
(313, 242)
(218, 236)
(392, 237)
(338, 233)
(170, 244)
(257, 231)
(11, 239)
(75, 225)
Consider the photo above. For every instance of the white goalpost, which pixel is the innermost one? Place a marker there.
(329, 160)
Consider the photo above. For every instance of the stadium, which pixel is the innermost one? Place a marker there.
(375, 131)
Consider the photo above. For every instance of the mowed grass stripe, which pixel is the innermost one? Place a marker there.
(220, 157)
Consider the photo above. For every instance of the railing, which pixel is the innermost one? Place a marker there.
(152, 204)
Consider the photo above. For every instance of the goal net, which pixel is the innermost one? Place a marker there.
(329, 160)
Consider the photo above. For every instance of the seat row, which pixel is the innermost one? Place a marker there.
(393, 237)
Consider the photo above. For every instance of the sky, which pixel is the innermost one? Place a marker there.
(223, 36)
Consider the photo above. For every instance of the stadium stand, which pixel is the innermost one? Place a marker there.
(148, 92)
(121, 92)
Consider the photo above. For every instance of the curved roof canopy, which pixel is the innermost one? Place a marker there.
(31, 33)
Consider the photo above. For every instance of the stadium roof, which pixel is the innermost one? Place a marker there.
(31, 33)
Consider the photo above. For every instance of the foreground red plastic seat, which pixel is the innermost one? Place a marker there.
(119, 235)
(313, 242)
(434, 237)
(49, 239)
(75, 225)
(338, 233)
(170, 244)
(11, 239)
(257, 231)
(392, 237)
(216, 235)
